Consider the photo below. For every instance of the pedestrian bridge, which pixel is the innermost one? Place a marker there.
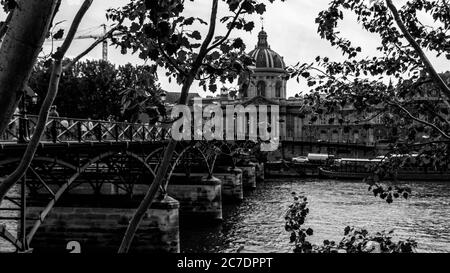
(88, 176)
(92, 163)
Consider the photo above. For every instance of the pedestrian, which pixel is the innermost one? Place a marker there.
(53, 131)
(89, 128)
(53, 112)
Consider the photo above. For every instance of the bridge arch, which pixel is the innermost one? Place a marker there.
(57, 195)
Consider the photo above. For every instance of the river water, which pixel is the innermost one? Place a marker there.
(258, 222)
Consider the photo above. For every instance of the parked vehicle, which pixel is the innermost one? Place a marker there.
(300, 159)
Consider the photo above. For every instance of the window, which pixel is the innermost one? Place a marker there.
(278, 89)
(335, 136)
(261, 88)
(323, 135)
(356, 136)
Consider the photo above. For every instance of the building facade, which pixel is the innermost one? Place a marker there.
(300, 131)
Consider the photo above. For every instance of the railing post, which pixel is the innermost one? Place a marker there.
(24, 136)
(23, 214)
(130, 128)
(79, 132)
(98, 132)
(143, 133)
(116, 132)
(54, 131)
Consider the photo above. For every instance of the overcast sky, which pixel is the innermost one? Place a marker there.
(290, 26)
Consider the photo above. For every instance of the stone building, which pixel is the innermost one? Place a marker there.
(302, 133)
(268, 84)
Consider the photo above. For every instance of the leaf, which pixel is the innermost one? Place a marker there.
(212, 88)
(238, 43)
(249, 26)
(196, 35)
(59, 34)
(260, 8)
(248, 6)
(135, 27)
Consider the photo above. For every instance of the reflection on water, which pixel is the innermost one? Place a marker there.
(258, 221)
(11, 225)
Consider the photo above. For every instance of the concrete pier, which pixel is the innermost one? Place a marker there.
(260, 172)
(100, 229)
(232, 184)
(231, 180)
(248, 175)
(199, 198)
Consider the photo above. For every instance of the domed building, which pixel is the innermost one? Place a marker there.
(268, 78)
(300, 132)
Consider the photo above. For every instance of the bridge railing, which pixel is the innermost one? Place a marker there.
(60, 129)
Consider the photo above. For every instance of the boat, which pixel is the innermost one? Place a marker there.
(359, 169)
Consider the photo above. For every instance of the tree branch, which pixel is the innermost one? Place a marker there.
(438, 79)
(221, 41)
(419, 120)
(168, 59)
(4, 27)
(90, 48)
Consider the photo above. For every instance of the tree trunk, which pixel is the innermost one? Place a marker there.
(21, 45)
(163, 168)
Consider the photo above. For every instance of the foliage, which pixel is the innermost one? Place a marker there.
(355, 240)
(99, 89)
(295, 219)
(398, 85)
(158, 31)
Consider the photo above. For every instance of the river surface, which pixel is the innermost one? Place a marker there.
(258, 222)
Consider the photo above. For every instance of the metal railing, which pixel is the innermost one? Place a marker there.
(60, 129)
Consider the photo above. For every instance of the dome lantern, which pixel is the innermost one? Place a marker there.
(262, 39)
(264, 56)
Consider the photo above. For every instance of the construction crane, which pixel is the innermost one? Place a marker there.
(91, 36)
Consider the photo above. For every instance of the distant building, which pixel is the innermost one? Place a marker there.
(267, 85)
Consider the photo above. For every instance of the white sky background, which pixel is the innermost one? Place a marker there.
(290, 26)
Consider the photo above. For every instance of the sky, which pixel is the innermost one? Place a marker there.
(290, 25)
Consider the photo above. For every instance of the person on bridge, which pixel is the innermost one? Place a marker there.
(53, 113)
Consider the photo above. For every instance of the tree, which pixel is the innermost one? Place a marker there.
(140, 93)
(419, 126)
(160, 33)
(98, 89)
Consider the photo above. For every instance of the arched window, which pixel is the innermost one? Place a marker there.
(261, 88)
(278, 87)
(355, 136)
(335, 136)
(323, 135)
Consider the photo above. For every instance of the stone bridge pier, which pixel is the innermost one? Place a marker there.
(100, 229)
(200, 196)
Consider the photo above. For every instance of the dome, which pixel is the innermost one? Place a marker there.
(266, 58)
